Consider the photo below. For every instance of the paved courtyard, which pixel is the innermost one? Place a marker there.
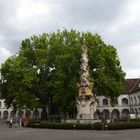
(51, 134)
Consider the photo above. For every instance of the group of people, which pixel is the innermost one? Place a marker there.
(17, 121)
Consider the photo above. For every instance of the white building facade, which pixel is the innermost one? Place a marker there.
(120, 111)
(5, 113)
(128, 103)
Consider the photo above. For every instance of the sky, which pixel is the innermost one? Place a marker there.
(116, 21)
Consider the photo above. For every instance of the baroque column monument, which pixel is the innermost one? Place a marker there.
(85, 101)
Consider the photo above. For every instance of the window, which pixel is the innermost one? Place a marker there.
(135, 100)
(105, 102)
(139, 100)
(124, 101)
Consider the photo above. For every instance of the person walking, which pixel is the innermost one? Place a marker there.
(16, 121)
(11, 123)
(25, 120)
(8, 121)
(20, 121)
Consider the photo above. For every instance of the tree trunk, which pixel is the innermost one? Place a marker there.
(44, 114)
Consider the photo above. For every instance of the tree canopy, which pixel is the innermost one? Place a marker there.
(46, 70)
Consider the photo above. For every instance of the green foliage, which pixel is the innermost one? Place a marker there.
(51, 125)
(132, 124)
(55, 125)
(134, 120)
(34, 121)
(105, 69)
(46, 70)
(77, 126)
(123, 125)
(98, 126)
(83, 126)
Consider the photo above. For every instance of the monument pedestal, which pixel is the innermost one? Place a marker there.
(86, 107)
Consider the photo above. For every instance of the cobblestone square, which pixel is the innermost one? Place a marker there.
(53, 134)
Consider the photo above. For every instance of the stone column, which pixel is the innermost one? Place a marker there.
(2, 115)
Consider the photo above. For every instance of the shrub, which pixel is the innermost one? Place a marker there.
(123, 125)
(134, 120)
(33, 123)
(95, 126)
(56, 125)
(117, 126)
(98, 126)
(84, 126)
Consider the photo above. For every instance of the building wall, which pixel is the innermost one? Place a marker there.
(126, 105)
(119, 111)
(4, 112)
(135, 103)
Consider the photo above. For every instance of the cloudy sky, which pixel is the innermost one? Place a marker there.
(117, 21)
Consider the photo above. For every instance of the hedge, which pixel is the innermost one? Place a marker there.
(123, 125)
(96, 126)
(55, 125)
(134, 120)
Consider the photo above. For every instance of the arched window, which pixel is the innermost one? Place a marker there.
(124, 101)
(136, 111)
(36, 114)
(28, 113)
(125, 114)
(105, 102)
(12, 113)
(97, 114)
(139, 100)
(115, 114)
(5, 114)
(135, 99)
(20, 114)
(106, 114)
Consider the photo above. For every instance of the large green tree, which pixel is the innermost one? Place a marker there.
(45, 71)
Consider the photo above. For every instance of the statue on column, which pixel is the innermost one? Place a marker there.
(86, 102)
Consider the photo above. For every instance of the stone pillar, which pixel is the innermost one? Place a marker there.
(120, 115)
(2, 115)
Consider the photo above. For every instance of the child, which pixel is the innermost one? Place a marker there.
(11, 122)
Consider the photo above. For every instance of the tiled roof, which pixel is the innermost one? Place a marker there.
(132, 85)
